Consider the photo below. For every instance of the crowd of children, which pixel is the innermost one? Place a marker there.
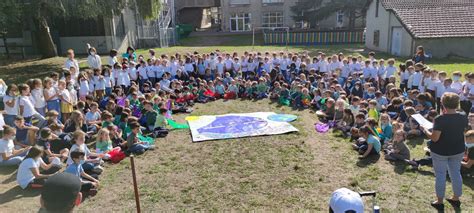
(123, 105)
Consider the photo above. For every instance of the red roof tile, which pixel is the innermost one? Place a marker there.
(435, 18)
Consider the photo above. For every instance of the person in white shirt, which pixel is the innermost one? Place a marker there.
(390, 69)
(112, 60)
(99, 82)
(366, 71)
(109, 81)
(29, 174)
(10, 101)
(37, 96)
(165, 83)
(132, 71)
(228, 63)
(72, 64)
(9, 156)
(236, 66)
(381, 70)
(323, 65)
(83, 87)
(150, 71)
(142, 73)
(93, 59)
(27, 109)
(345, 71)
(335, 64)
(220, 66)
(439, 89)
(374, 70)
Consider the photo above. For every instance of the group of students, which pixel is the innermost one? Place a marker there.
(124, 105)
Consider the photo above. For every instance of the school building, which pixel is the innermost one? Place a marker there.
(443, 27)
(244, 15)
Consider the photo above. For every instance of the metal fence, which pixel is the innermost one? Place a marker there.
(313, 37)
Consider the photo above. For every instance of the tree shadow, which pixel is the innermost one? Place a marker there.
(6, 170)
(20, 74)
(17, 193)
(368, 161)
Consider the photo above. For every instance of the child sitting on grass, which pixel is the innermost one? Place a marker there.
(398, 151)
(103, 143)
(91, 160)
(160, 125)
(370, 145)
(134, 145)
(89, 183)
(29, 174)
(9, 156)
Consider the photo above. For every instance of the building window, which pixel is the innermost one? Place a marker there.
(377, 38)
(272, 1)
(340, 19)
(239, 2)
(272, 19)
(240, 22)
(377, 8)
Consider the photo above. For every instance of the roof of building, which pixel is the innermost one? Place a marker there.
(434, 18)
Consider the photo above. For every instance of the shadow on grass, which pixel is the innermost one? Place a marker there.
(368, 161)
(17, 193)
(20, 74)
(415, 141)
(399, 167)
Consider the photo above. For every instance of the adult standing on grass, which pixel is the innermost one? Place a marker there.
(447, 149)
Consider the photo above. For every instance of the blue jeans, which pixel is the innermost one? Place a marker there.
(452, 165)
(54, 105)
(14, 161)
(9, 119)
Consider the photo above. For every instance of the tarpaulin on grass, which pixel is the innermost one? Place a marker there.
(214, 127)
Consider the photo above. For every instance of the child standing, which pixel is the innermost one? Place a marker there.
(37, 96)
(66, 100)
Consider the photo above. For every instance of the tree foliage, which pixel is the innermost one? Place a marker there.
(313, 11)
(39, 13)
(9, 15)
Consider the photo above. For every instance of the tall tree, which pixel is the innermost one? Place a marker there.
(9, 18)
(42, 12)
(319, 10)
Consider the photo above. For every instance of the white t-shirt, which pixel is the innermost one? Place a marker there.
(10, 110)
(100, 83)
(94, 61)
(440, 88)
(142, 72)
(84, 88)
(28, 108)
(24, 175)
(51, 92)
(220, 67)
(6, 146)
(38, 98)
(390, 71)
(133, 73)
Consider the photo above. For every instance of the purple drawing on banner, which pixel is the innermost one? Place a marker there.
(232, 124)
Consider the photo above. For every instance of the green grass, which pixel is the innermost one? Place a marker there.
(295, 171)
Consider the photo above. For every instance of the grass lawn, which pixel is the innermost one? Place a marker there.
(291, 171)
(21, 70)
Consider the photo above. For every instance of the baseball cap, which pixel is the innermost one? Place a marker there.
(60, 191)
(344, 199)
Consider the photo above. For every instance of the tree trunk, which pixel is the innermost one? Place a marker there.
(45, 43)
(7, 51)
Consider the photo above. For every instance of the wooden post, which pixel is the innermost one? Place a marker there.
(135, 187)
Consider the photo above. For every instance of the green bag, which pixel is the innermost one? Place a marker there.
(175, 125)
(148, 140)
(284, 101)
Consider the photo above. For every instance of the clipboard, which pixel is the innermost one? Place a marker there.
(422, 121)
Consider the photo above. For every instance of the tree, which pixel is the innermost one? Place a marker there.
(42, 12)
(314, 11)
(9, 18)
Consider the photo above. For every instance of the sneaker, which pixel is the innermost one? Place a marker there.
(413, 164)
(98, 169)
